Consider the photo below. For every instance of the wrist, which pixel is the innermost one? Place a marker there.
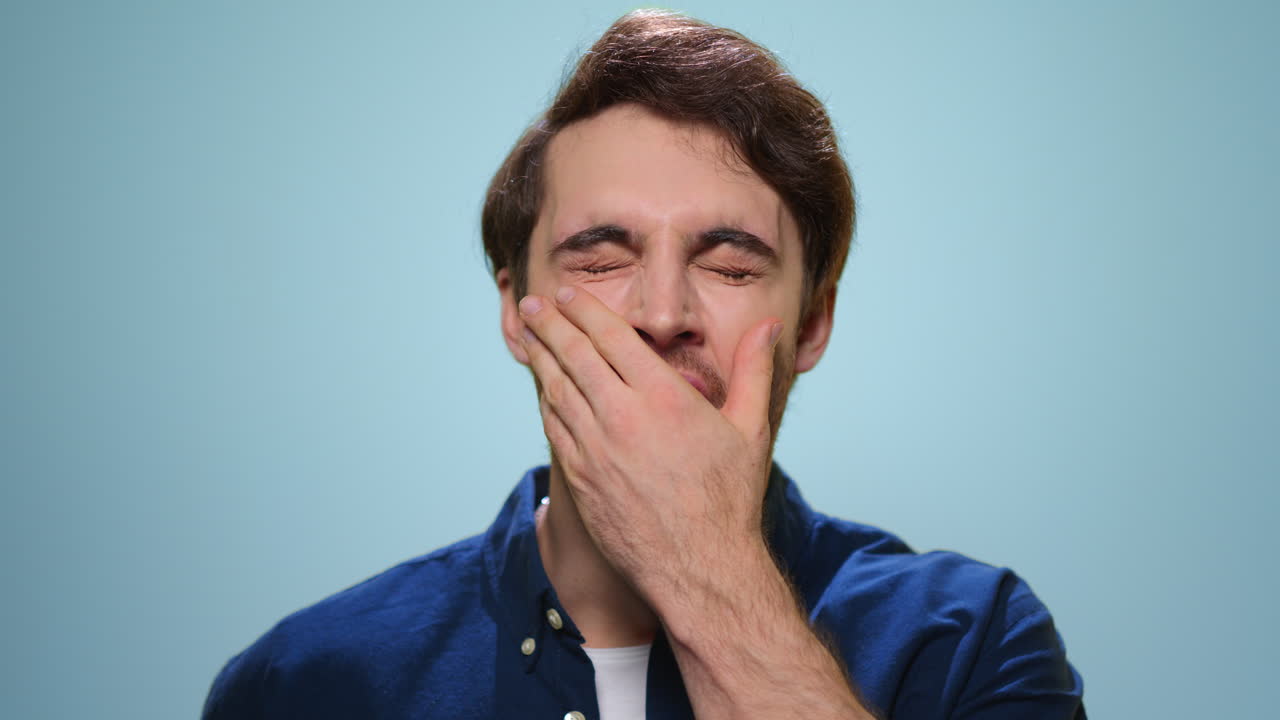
(726, 595)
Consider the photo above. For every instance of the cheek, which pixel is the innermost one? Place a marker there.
(542, 280)
(733, 312)
(613, 292)
(727, 321)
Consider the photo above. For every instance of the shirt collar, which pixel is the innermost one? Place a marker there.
(519, 582)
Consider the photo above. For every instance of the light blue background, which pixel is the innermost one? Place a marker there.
(251, 353)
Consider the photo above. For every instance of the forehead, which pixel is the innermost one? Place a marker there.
(629, 166)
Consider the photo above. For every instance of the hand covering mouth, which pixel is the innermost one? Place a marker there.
(698, 373)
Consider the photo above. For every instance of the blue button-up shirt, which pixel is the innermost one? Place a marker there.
(464, 632)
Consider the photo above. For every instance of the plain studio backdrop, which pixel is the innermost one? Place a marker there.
(251, 351)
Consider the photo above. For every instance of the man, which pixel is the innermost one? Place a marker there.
(666, 242)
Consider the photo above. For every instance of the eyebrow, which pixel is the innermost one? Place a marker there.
(595, 235)
(599, 234)
(734, 237)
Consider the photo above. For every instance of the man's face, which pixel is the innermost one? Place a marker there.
(664, 225)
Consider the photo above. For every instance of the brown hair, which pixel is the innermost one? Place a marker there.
(690, 71)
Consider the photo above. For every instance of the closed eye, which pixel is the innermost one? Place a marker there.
(735, 275)
(594, 268)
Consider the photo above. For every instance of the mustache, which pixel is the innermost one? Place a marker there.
(688, 361)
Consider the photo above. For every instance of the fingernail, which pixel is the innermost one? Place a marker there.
(774, 332)
(529, 336)
(565, 294)
(530, 305)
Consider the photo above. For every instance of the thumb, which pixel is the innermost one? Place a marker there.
(747, 406)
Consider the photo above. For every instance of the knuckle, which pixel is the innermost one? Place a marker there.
(557, 390)
(553, 427)
(555, 431)
(560, 443)
(544, 407)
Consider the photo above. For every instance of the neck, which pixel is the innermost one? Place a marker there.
(604, 606)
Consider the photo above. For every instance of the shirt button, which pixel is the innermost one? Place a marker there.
(527, 646)
(574, 715)
(554, 618)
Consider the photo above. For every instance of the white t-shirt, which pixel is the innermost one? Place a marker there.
(621, 680)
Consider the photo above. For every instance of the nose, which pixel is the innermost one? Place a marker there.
(663, 306)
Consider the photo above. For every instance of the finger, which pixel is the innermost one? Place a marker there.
(613, 337)
(571, 347)
(563, 445)
(751, 383)
(557, 389)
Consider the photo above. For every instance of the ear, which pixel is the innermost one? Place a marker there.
(815, 332)
(512, 325)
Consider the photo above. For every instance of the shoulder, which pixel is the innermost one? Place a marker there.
(938, 630)
(428, 588)
(334, 653)
(848, 561)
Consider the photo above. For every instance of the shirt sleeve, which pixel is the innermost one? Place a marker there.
(1022, 671)
(237, 691)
